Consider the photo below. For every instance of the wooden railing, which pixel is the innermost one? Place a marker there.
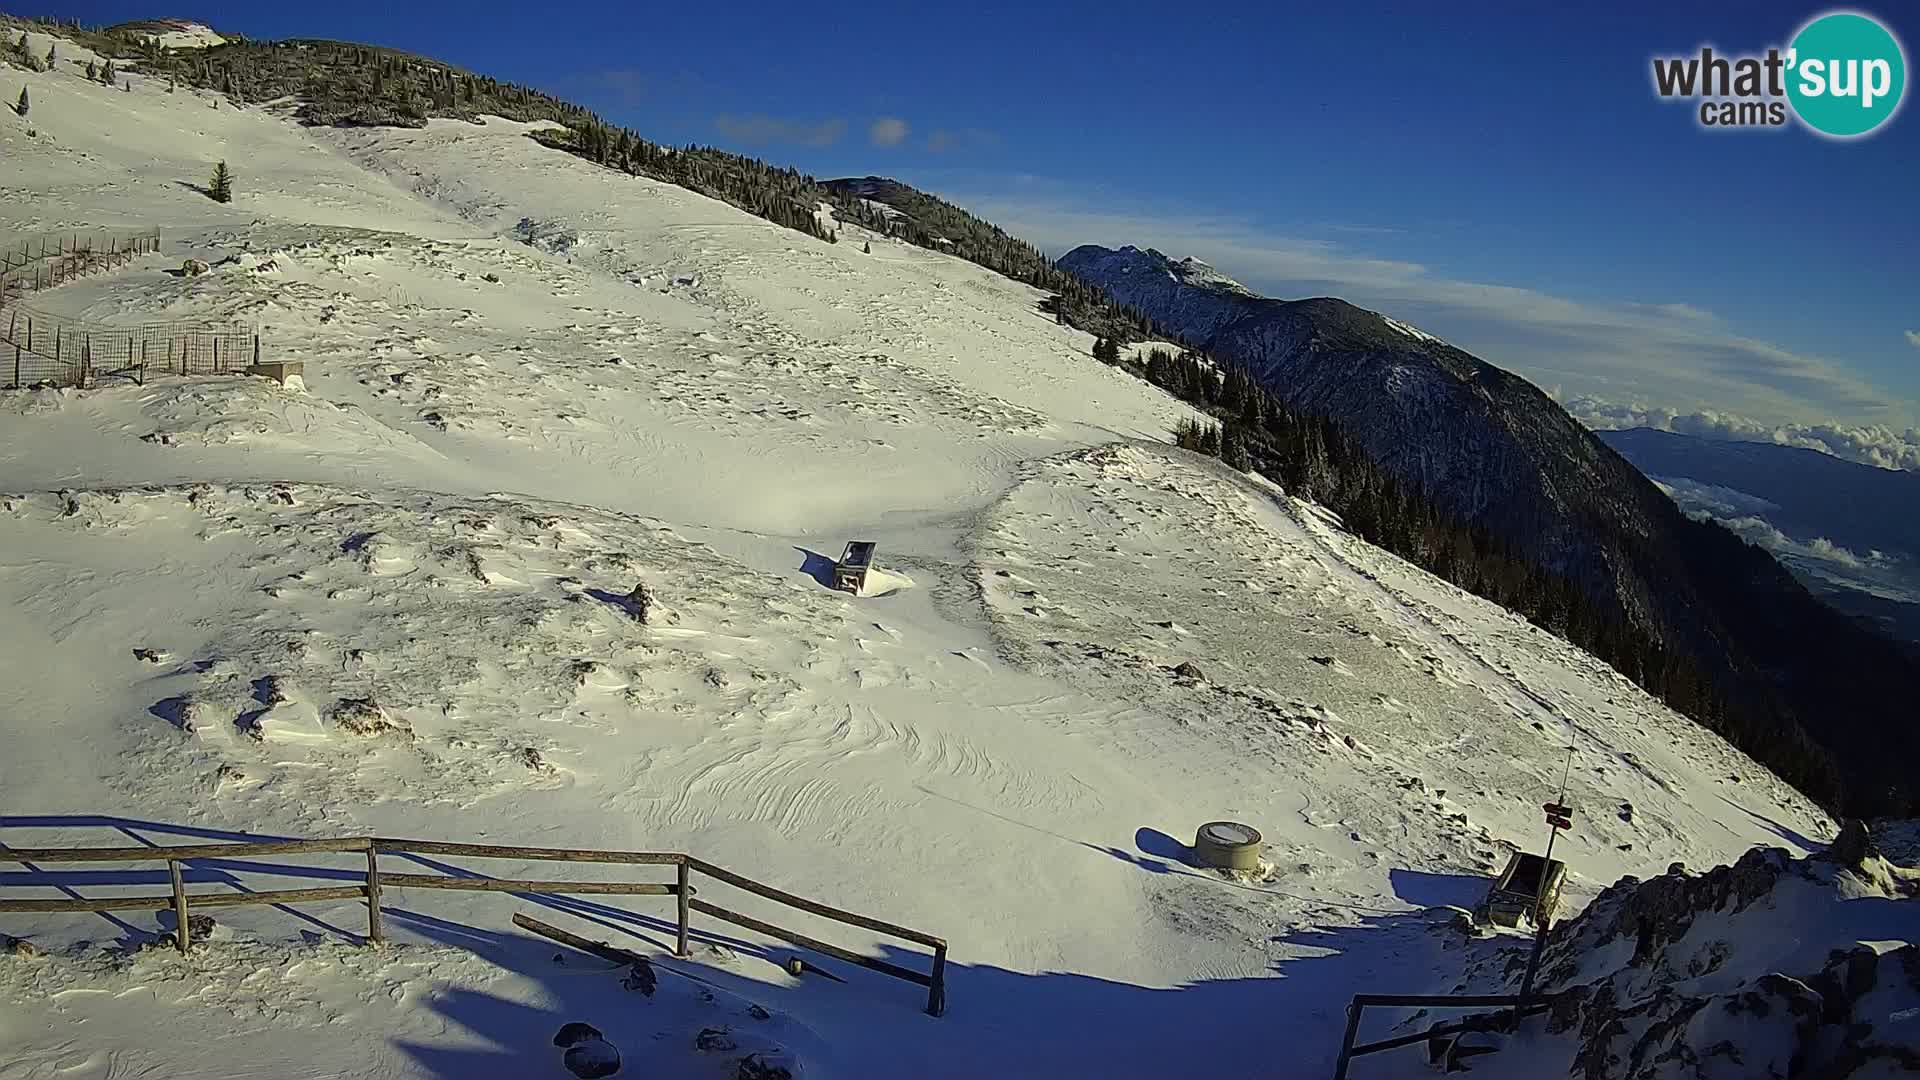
(681, 889)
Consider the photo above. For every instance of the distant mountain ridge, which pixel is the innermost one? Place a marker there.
(1851, 531)
(1815, 494)
(1500, 453)
(1486, 443)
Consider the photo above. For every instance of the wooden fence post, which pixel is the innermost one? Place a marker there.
(376, 933)
(256, 350)
(937, 988)
(182, 934)
(680, 946)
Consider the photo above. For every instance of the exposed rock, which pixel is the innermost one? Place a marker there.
(1192, 671)
(714, 1040)
(591, 1059)
(765, 1066)
(1852, 847)
(194, 267)
(575, 1032)
(640, 977)
(20, 947)
(365, 717)
(640, 602)
(1673, 1001)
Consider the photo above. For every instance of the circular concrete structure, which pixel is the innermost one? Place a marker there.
(1227, 845)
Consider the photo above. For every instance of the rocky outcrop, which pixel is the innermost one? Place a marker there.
(1770, 967)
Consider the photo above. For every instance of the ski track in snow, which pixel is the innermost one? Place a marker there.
(394, 601)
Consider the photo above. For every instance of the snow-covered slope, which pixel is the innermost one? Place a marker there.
(393, 602)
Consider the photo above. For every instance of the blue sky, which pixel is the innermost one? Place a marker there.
(1503, 177)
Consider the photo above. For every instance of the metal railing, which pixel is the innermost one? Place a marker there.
(376, 879)
(1520, 1007)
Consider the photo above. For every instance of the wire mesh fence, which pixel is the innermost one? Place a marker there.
(39, 349)
(46, 350)
(41, 262)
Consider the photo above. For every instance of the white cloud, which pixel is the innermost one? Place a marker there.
(888, 131)
(756, 128)
(1868, 444)
(1913, 338)
(1661, 350)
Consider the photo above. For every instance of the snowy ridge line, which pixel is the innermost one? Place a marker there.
(373, 846)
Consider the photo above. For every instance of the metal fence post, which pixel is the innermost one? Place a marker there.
(1354, 1009)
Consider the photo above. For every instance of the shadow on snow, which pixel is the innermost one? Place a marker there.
(1000, 1021)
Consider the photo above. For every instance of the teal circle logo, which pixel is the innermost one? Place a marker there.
(1846, 74)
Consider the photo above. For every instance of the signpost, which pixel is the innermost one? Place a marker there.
(1559, 816)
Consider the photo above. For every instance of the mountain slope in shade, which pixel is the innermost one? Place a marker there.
(1850, 531)
(1495, 450)
(1811, 493)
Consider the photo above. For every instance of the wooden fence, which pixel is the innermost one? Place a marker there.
(37, 349)
(682, 889)
(45, 261)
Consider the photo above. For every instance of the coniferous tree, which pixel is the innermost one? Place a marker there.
(93, 73)
(107, 73)
(867, 248)
(221, 189)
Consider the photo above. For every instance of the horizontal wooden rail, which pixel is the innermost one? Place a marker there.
(278, 896)
(136, 903)
(806, 942)
(186, 851)
(820, 909)
(435, 881)
(390, 846)
(372, 847)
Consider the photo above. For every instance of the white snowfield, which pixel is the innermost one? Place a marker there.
(394, 602)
